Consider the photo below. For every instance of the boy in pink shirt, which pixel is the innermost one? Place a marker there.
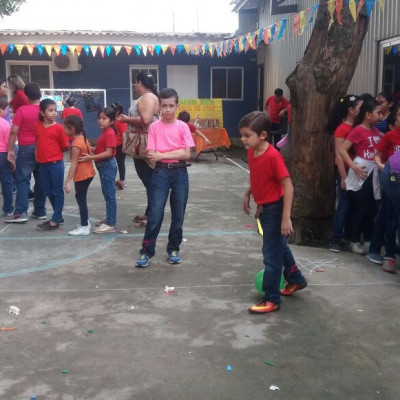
(5, 166)
(168, 146)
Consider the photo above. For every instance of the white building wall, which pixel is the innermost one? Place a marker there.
(281, 56)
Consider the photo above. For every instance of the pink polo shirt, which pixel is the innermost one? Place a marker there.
(169, 137)
(5, 128)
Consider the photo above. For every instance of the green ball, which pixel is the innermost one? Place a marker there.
(258, 281)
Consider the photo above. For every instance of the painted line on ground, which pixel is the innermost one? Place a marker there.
(238, 165)
(183, 287)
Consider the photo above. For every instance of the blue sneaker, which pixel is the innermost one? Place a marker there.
(143, 261)
(174, 257)
(375, 258)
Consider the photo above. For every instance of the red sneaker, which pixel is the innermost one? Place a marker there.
(292, 288)
(264, 307)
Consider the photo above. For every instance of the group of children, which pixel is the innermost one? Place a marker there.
(367, 134)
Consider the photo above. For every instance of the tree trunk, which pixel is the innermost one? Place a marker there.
(322, 77)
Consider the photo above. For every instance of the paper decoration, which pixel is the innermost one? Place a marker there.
(11, 48)
(381, 5)
(72, 49)
(157, 48)
(353, 9)
(296, 23)
(63, 48)
(19, 48)
(93, 49)
(3, 48)
(49, 49)
(331, 9)
(137, 49)
(144, 49)
(282, 29)
(78, 50)
(360, 6)
(57, 49)
(30, 48)
(128, 50)
(101, 50)
(339, 7)
(302, 21)
(108, 50)
(150, 48)
(86, 49)
(164, 48)
(369, 5)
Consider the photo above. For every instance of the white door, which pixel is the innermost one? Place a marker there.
(183, 78)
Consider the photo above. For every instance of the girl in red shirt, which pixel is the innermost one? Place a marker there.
(82, 173)
(16, 84)
(340, 123)
(363, 138)
(104, 158)
(51, 142)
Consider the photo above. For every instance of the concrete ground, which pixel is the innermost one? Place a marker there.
(338, 339)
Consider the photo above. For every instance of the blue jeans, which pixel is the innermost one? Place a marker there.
(108, 171)
(52, 177)
(144, 173)
(341, 224)
(26, 165)
(276, 253)
(163, 180)
(387, 222)
(6, 183)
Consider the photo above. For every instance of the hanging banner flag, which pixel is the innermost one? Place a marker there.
(353, 9)
(40, 48)
(3, 48)
(296, 22)
(179, 48)
(57, 49)
(282, 29)
(381, 5)
(19, 48)
(339, 7)
(272, 33)
(172, 47)
(331, 9)
(150, 48)
(93, 50)
(86, 49)
(266, 36)
(72, 49)
(11, 48)
(117, 49)
(108, 50)
(164, 48)
(360, 6)
(63, 48)
(128, 50)
(144, 49)
(137, 49)
(101, 50)
(49, 49)
(395, 50)
(187, 48)
(78, 50)
(369, 5)
(30, 48)
(157, 48)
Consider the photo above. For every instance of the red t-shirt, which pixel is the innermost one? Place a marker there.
(50, 142)
(266, 172)
(19, 99)
(364, 141)
(274, 108)
(120, 127)
(343, 130)
(71, 111)
(108, 138)
(389, 144)
(27, 118)
(192, 128)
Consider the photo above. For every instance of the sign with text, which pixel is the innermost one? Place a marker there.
(203, 109)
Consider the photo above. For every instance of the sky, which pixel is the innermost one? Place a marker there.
(127, 15)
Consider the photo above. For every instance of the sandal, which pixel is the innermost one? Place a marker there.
(139, 218)
(141, 224)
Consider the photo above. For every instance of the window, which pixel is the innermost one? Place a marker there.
(134, 70)
(34, 71)
(227, 83)
(388, 78)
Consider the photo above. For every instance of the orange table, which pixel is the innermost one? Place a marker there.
(218, 137)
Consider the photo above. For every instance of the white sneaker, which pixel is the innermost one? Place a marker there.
(80, 231)
(357, 248)
(125, 184)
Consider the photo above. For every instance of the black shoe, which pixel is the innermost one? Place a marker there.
(335, 247)
(61, 221)
(46, 226)
(31, 195)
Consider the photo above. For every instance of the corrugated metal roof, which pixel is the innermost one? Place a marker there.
(112, 37)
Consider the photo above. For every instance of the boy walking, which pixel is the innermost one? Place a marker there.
(168, 146)
(272, 191)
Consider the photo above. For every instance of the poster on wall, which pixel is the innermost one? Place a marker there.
(204, 113)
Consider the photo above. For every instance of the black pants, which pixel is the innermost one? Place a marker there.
(120, 157)
(144, 173)
(81, 189)
(364, 210)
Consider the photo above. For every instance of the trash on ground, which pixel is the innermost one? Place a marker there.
(91, 330)
(133, 307)
(185, 240)
(318, 270)
(14, 310)
(65, 371)
(166, 322)
(249, 226)
(229, 368)
(169, 289)
(33, 397)
(273, 387)
(269, 363)
(360, 310)
(4, 329)
(123, 231)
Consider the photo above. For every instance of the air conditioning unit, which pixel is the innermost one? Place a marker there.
(65, 63)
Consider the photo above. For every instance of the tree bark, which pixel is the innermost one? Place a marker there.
(322, 77)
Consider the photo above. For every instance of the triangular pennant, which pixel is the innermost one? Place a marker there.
(246, 46)
(128, 50)
(144, 49)
(381, 5)
(72, 49)
(179, 48)
(339, 7)
(3, 48)
(395, 50)
(86, 49)
(369, 5)
(93, 50)
(150, 49)
(117, 49)
(11, 48)
(137, 49)
(240, 43)
(303, 22)
(164, 48)
(19, 48)
(266, 36)
(231, 45)
(78, 50)
(282, 29)
(309, 22)
(30, 48)
(108, 50)
(64, 49)
(272, 35)
(331, 9)
(101, 50)
(296, 22)
(157, 48)
(172, 47)
(353, 9)
(360, 5)
(187, 48)
(49, 49)
(57, 49)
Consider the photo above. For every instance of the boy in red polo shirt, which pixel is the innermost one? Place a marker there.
(272, 191)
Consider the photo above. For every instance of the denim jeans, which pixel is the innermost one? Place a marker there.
(108, 171)
(341, 226)
(387, 222)
(26, 165)
(163, 180)
(6, 183)
(276, 253)
(144, 173)
(52, 177)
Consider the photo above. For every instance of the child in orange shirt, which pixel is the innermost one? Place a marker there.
(51, 142)
(82, 173)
